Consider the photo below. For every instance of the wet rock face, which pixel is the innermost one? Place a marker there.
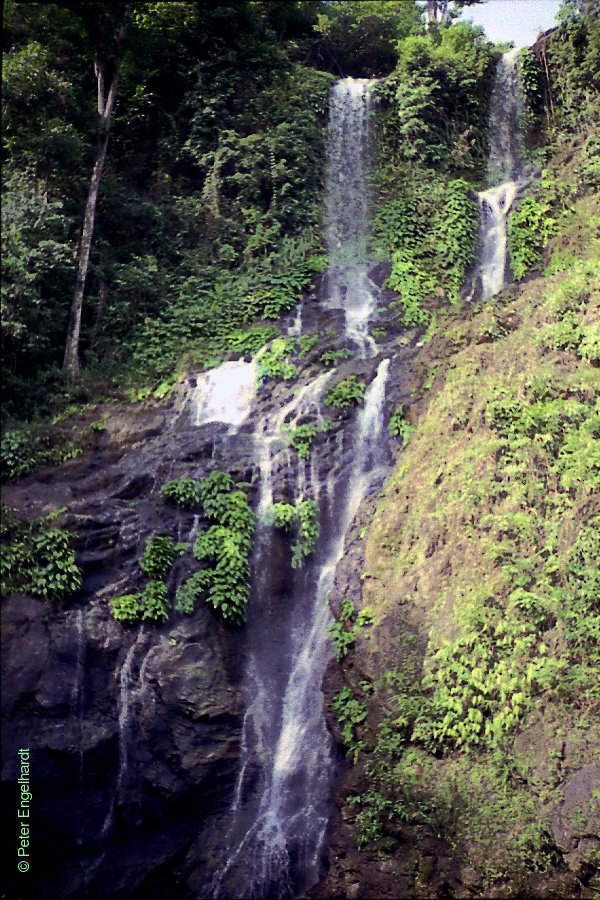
(128, 728)
(576, 822)
(116, 749)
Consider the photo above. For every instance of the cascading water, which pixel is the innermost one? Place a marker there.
(347, 209)
(225, 394)
(503, 176)
(276, 826)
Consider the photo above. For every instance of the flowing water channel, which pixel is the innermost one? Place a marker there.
(278, 819)
(504, 176)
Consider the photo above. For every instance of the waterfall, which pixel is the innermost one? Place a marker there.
(347, 211)
(224, 394)
(503, 176)
(274, 833)
(125, 673)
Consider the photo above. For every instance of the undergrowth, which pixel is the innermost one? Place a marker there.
(302, 521)
(37, 558)
(486, 546)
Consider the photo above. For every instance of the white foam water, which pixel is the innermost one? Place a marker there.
(347, 209)
(224, 394)
(503, 176)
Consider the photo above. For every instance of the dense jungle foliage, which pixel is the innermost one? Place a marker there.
(208, 214)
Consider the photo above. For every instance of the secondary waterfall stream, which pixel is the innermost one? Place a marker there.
(503, 176)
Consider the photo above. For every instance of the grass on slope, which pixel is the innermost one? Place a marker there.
(483, 565)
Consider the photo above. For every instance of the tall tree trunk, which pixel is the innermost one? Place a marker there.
(71, 363)
(106, 105)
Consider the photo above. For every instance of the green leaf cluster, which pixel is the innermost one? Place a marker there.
(275, 362)
(183, 491)
(346, 393)
(344, 631)
(158, 557)
(333, 357)
(530, 227)
(309, 530)
(572, 58)
(351, 713)
(153, 602)
(301, 437)
(283, 516)
(37, 559)
(226, 546)
(25, 451)
(307, 342)
(430, 238)
(399, 427)
(436, 99)
(303, 521)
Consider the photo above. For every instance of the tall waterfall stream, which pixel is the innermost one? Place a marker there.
(504, 176)
(281, 805)
(279, 814)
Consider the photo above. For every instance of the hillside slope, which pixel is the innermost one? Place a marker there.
(469, 710)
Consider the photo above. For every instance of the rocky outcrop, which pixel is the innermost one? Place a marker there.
(127, 727)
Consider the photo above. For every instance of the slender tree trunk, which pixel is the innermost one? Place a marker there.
(71, 363)
(100, 311)
(106, 105)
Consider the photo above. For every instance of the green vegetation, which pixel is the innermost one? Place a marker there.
(275, 362)
(25, 451)
(430, 236)
(432, 148)
(344, 631)
(183, 491)
(530, 227)
(350, 713)
(225, 545)
(532, 108)
(399, 427)
(153, 602)
(303, 521)
(346, 393)
(159, 555)
(548, 210)
(484, 556)
(572, 56)
(37, 559)
(481, 605)
(333, 357)
(283, 516)
(301, 437)
(209, 202)
(437, 96)
(307, 342)
(308, 532)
